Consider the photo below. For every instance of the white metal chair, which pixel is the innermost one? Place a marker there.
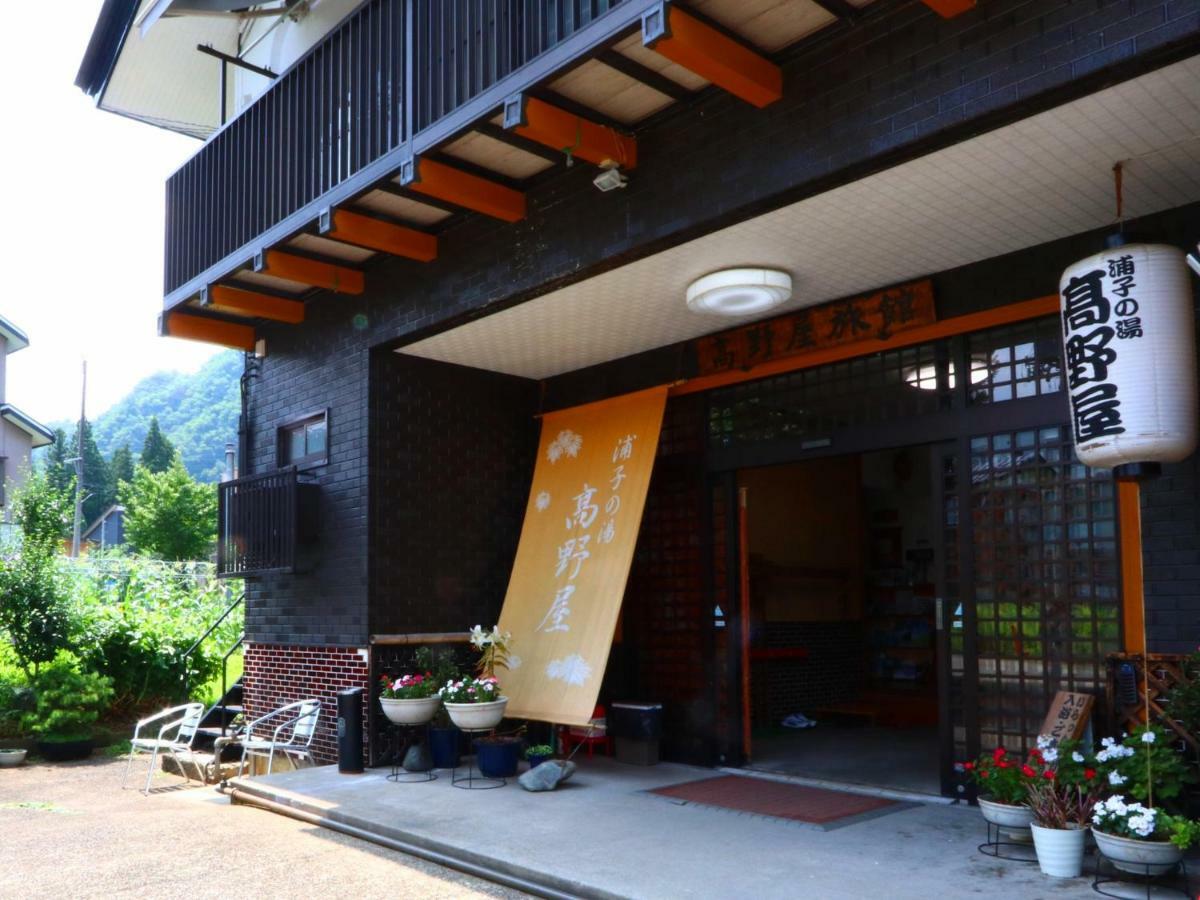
(292, 729)
(175, 735)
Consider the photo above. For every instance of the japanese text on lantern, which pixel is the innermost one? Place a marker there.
(1099, 307)
(574, 551)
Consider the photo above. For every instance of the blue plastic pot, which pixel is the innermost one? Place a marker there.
(443, 743)
(498, 757)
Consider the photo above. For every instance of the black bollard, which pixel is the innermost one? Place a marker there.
(350, 731)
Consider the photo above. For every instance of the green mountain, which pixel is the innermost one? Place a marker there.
(197, 412)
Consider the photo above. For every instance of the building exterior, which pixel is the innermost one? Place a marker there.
(403, 230)
(108, 530)
(20, 434)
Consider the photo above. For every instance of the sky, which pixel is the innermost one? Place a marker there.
(82, 230)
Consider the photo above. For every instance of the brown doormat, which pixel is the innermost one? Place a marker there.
(759, 796)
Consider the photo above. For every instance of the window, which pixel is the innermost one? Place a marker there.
(305, 441)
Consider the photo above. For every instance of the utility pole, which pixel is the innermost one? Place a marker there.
(79, 467)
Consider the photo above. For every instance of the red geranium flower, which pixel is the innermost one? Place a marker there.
(983, 773)
(1048, 774)
(969, 766)
(1003, 765)
(1027, 771)
(1089, 774)
(998, 754)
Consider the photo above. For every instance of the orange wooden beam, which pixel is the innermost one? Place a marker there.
(948, 9)
(210, 331)
(225, 299)
(697, 46)
(1133, 600)
(375, 234)
(443, 182)
(989, 318)
(556, 128)
(313, 272)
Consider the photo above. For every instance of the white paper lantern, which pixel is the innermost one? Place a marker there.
(1129, 357)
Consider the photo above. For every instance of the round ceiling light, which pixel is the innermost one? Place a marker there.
(739, 292)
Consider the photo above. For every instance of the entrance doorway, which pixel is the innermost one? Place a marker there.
(843, 641)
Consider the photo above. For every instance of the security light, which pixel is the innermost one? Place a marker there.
(610, 177)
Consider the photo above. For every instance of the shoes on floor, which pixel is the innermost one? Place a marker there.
(798, 720)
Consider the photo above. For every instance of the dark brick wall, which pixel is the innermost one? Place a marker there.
(322, 365)
(452, 454)
(896, 84)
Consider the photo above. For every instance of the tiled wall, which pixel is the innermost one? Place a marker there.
(278, 674)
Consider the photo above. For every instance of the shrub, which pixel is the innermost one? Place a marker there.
(68, 701)
(136, 618)
(33, 608)
(1146, 766)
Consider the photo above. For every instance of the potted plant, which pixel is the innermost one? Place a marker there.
(497, 755)
(1061, 792)
(1002, 799)
(409, 699)
(444, 738)
(1138, 829)
(538, 754)
(68, 703)
(1141, 840)
(476, 704)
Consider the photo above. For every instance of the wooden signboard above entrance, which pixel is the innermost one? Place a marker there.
(1068, 716)
(875, 316)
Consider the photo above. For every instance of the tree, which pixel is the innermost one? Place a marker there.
(59, 472)
(43, 512)
(157, 452)
(98, 489)
(169, 514)
(121, 466)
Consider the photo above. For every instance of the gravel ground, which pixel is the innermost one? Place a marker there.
(70, 831)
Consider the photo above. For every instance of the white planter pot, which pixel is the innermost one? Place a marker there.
(1060, 850)
(1014, 821)
(477, 716)
(1138, 857)
(410, 712)
(11, 758)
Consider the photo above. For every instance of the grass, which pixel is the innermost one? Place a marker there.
(210, 692)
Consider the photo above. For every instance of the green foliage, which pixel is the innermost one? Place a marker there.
(198, 412)
(136, 618)
(158, 453)
(98, 487)
(33, 608)
(121, 465)
(59, 472)
(1184, 832)
(170, 515)
(1147, 766)
(69, 700)
(539, 750)
(42, 511)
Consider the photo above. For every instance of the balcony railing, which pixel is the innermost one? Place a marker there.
(345, 115)
(262, 520)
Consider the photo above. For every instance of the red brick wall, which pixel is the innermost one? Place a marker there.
(278, 674)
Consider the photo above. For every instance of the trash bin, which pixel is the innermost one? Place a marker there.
(350, 731)
(637, 728)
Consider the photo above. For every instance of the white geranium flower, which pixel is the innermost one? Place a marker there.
(1107, 742)
(1148, 737)
(1050, 755)
(1044, 741)
(1077, 756)
(1116, 779)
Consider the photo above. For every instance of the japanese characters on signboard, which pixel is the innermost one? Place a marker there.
(1068, 716)
(577, 541)
(1129, 355)
(876, 316)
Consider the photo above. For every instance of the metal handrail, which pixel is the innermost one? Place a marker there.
(200, 640)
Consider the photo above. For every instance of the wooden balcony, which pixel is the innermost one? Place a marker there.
(411, 114)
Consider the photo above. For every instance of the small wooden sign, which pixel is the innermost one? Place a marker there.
(875, 316)
(1068, 716)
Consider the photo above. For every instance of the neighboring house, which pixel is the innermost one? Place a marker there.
(417, 230)
(108, 530)
(20, 434)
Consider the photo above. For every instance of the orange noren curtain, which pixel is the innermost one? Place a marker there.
(581, 524)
